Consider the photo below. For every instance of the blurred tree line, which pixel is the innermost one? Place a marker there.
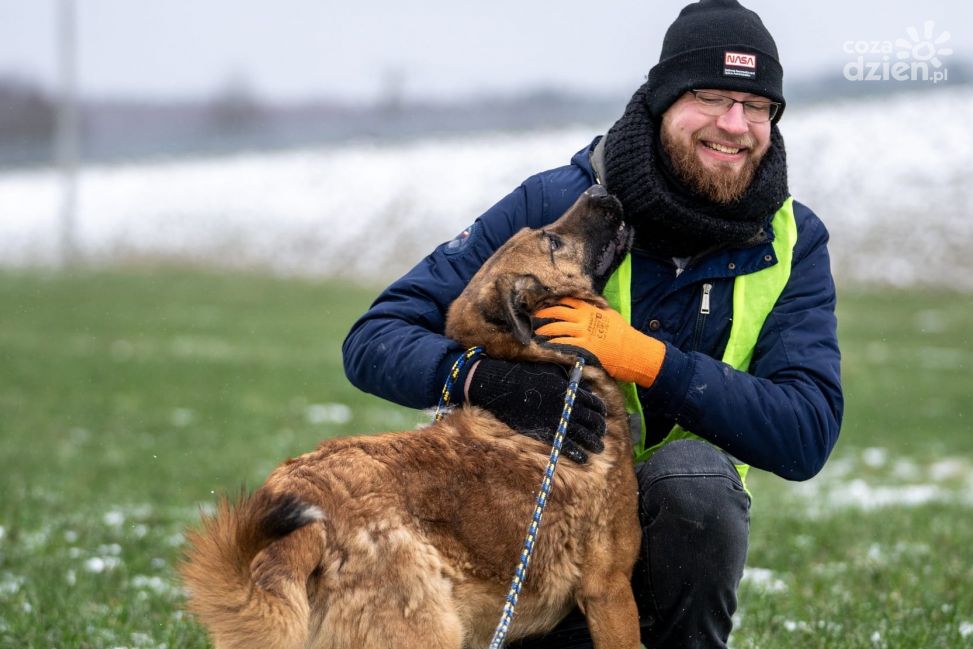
(235, 118)
(27, 113)
(111, 128)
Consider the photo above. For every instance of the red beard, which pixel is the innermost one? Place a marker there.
(723, 186)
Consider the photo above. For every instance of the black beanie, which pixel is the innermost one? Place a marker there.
(716, 44)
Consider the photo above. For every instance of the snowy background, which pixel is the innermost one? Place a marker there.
(892, 178)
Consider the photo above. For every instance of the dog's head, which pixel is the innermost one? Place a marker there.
(574, 256)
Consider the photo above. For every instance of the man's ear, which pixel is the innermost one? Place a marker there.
(519, 295)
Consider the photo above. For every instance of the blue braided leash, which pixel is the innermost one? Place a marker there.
(520, 572)
(460, 363)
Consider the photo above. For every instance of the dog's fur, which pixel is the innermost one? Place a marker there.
(409, 539)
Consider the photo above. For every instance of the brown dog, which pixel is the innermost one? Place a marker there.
(409, 539)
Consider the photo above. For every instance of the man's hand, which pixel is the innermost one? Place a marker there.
(529, 397)
(626, 353)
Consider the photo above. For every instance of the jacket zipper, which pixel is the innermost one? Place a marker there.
(701, 317)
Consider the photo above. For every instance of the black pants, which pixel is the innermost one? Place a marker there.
(695, 519)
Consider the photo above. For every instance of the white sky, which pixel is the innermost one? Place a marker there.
(294, 49)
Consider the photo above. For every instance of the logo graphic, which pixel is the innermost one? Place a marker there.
(915, 59)
(461, 240)
(741, 60)
(739, 64)
(925, 48)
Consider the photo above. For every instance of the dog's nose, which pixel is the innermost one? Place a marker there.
(597, 191)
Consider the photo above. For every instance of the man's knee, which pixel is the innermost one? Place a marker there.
(696, 483)
(691, 497)
(695, 520)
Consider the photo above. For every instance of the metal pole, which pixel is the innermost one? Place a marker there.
(67, 130)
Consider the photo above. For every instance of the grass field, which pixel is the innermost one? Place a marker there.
(128, 399)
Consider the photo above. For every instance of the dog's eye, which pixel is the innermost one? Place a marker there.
(554, 241)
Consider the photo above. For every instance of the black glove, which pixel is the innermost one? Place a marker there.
(529, 397)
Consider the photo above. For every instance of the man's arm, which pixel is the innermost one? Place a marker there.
(784, 415)
(397, 349)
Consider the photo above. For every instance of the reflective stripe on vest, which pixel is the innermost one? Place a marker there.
(754, 297)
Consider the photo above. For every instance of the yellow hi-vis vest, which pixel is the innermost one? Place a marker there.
(754, 296)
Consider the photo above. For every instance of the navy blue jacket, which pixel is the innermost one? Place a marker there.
(783, 416)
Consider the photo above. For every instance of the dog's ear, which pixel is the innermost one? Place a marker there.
(519, 294)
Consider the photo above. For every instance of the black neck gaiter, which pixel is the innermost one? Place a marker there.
(670, 218)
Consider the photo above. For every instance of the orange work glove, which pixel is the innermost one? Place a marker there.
(624, 352)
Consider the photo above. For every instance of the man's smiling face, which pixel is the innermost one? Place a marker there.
(715, 154)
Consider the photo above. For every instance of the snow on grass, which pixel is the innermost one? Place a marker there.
(812, 627)
(875, 457)
(327, 413)
(965, 629)
(894, 555)
(112, 549)
(181, 417)
(891, 177)
(870, 481)
(795, 625)
(951, 468)
(99, 565)
(10, 584)
(822, 497)
(113, 518)
(156, 585)
(763, 579)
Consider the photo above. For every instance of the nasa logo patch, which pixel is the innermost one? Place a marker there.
(461, 240)
(739, 64)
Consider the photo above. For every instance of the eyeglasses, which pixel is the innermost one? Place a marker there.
(756, 112)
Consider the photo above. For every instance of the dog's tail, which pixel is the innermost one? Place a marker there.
(246, 570)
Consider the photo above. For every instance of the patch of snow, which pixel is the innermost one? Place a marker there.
(10, 584)
(875, 457)
(181, 417)
(113, 518)
(155, 584)
(763, 579)
(859, 493)
(942, 358)
(930, 321)
(34, 541)
(949, 469)
(327, 413)
(799, 625)
(98, 565)
(906, 469)
(112, 549)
